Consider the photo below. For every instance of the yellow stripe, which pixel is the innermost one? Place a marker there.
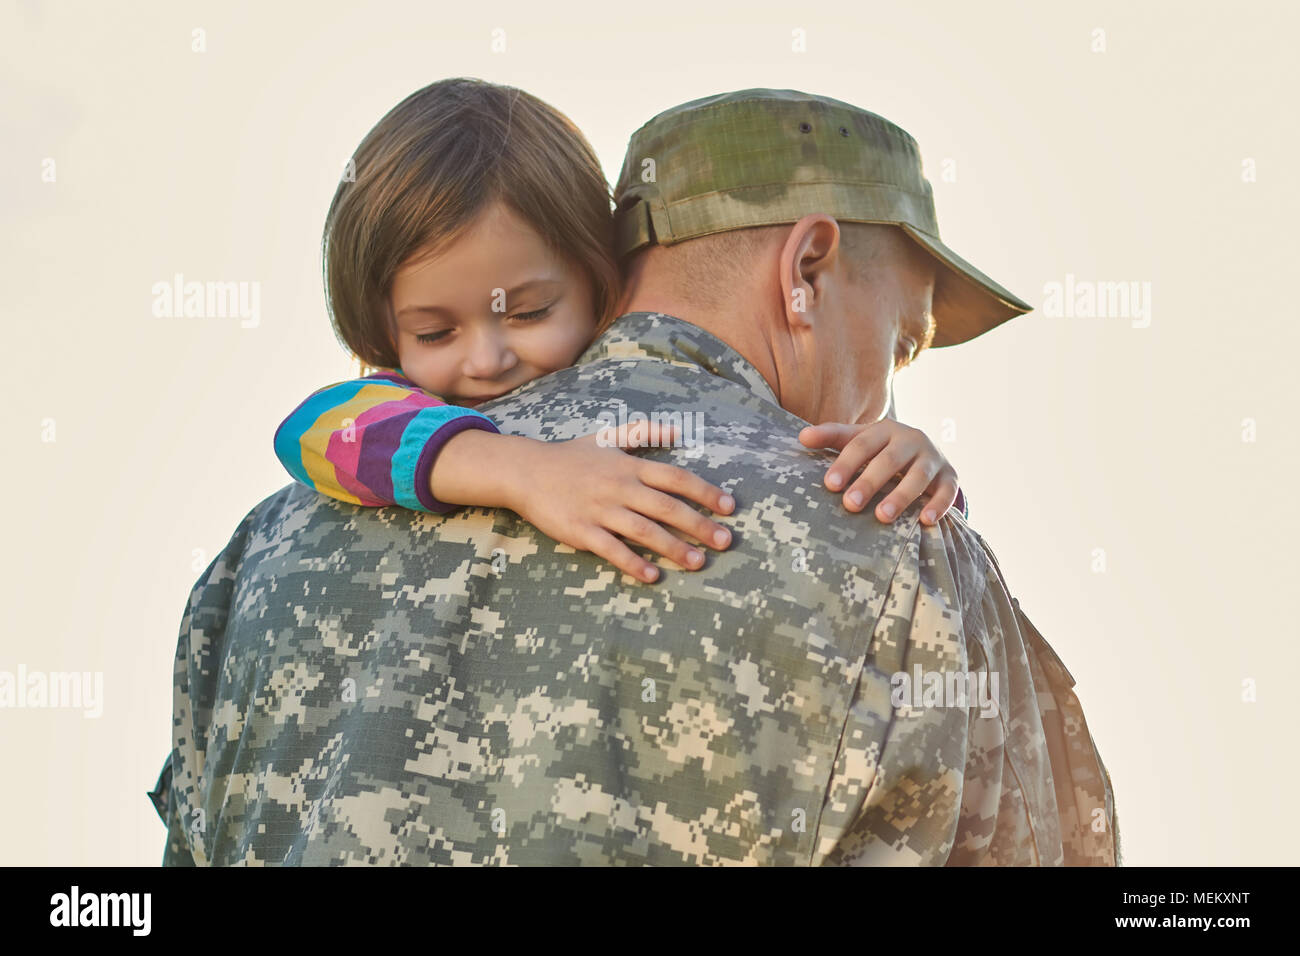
(315, 440)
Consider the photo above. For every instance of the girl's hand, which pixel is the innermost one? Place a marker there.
(887, 448)
(585, 491)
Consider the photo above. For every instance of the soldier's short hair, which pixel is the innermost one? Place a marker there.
(708, 270)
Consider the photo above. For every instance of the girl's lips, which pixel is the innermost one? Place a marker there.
(480, 401)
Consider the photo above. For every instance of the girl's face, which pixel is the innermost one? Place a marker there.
(492, 310)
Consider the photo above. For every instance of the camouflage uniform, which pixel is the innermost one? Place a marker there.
(383, 686)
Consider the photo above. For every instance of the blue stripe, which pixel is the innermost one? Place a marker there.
(421, 428)
(288, 437)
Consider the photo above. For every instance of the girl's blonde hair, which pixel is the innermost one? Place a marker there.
(426, 171)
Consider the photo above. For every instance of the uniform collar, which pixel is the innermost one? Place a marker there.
(666, 338)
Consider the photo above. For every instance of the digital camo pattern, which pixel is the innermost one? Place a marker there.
(380, 686)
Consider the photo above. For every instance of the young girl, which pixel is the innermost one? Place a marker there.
(470, 255)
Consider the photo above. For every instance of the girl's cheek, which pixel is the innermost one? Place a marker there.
(573, 344)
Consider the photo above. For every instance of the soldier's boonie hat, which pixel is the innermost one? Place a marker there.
(766, 157)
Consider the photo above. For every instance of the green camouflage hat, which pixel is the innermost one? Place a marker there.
(763, 157)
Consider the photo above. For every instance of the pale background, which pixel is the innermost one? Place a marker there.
(1070, 434)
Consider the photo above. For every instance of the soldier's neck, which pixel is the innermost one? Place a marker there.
(743, 332)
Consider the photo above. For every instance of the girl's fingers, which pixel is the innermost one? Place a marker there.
(879, 470)
(943, 495)
(676, 513)
(859, 450)
(663, 476)
(644, 434)
(605, 545)
(642, 530)
(679, 481)
(828, 435)
(913, 485)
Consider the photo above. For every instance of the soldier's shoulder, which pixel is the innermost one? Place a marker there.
(969, 557)
(295, 512)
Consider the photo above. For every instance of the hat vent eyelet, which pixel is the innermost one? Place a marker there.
(844, 131)
(805, 127)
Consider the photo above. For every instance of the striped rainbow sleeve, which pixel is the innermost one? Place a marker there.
(372, 441)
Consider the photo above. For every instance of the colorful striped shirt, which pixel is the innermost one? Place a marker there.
(372, 441)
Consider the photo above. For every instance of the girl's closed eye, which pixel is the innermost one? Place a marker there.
(535, 315)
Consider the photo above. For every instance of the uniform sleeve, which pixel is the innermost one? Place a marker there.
(163, 797)
(182, 796)
(372, 441)
(965, 744)
(1084, 797)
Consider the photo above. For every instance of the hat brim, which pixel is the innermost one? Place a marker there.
(966, 302)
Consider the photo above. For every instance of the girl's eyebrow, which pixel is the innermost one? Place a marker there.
(530, 284)
(520, 289)
(432, 309)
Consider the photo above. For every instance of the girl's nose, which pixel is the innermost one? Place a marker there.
(489, 356)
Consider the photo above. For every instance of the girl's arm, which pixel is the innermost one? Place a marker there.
(373, 441)
(586, 491)
(887, 448)
(382, 440)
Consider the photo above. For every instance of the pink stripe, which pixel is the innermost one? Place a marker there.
(347, 480)
(346, 456)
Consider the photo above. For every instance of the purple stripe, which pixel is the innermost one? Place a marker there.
(425, 465)
(379, 443)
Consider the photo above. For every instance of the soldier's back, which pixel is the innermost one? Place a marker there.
(398, 687)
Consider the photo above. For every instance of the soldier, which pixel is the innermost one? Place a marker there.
(387, 686)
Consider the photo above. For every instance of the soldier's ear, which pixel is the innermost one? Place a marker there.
(808, 255)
